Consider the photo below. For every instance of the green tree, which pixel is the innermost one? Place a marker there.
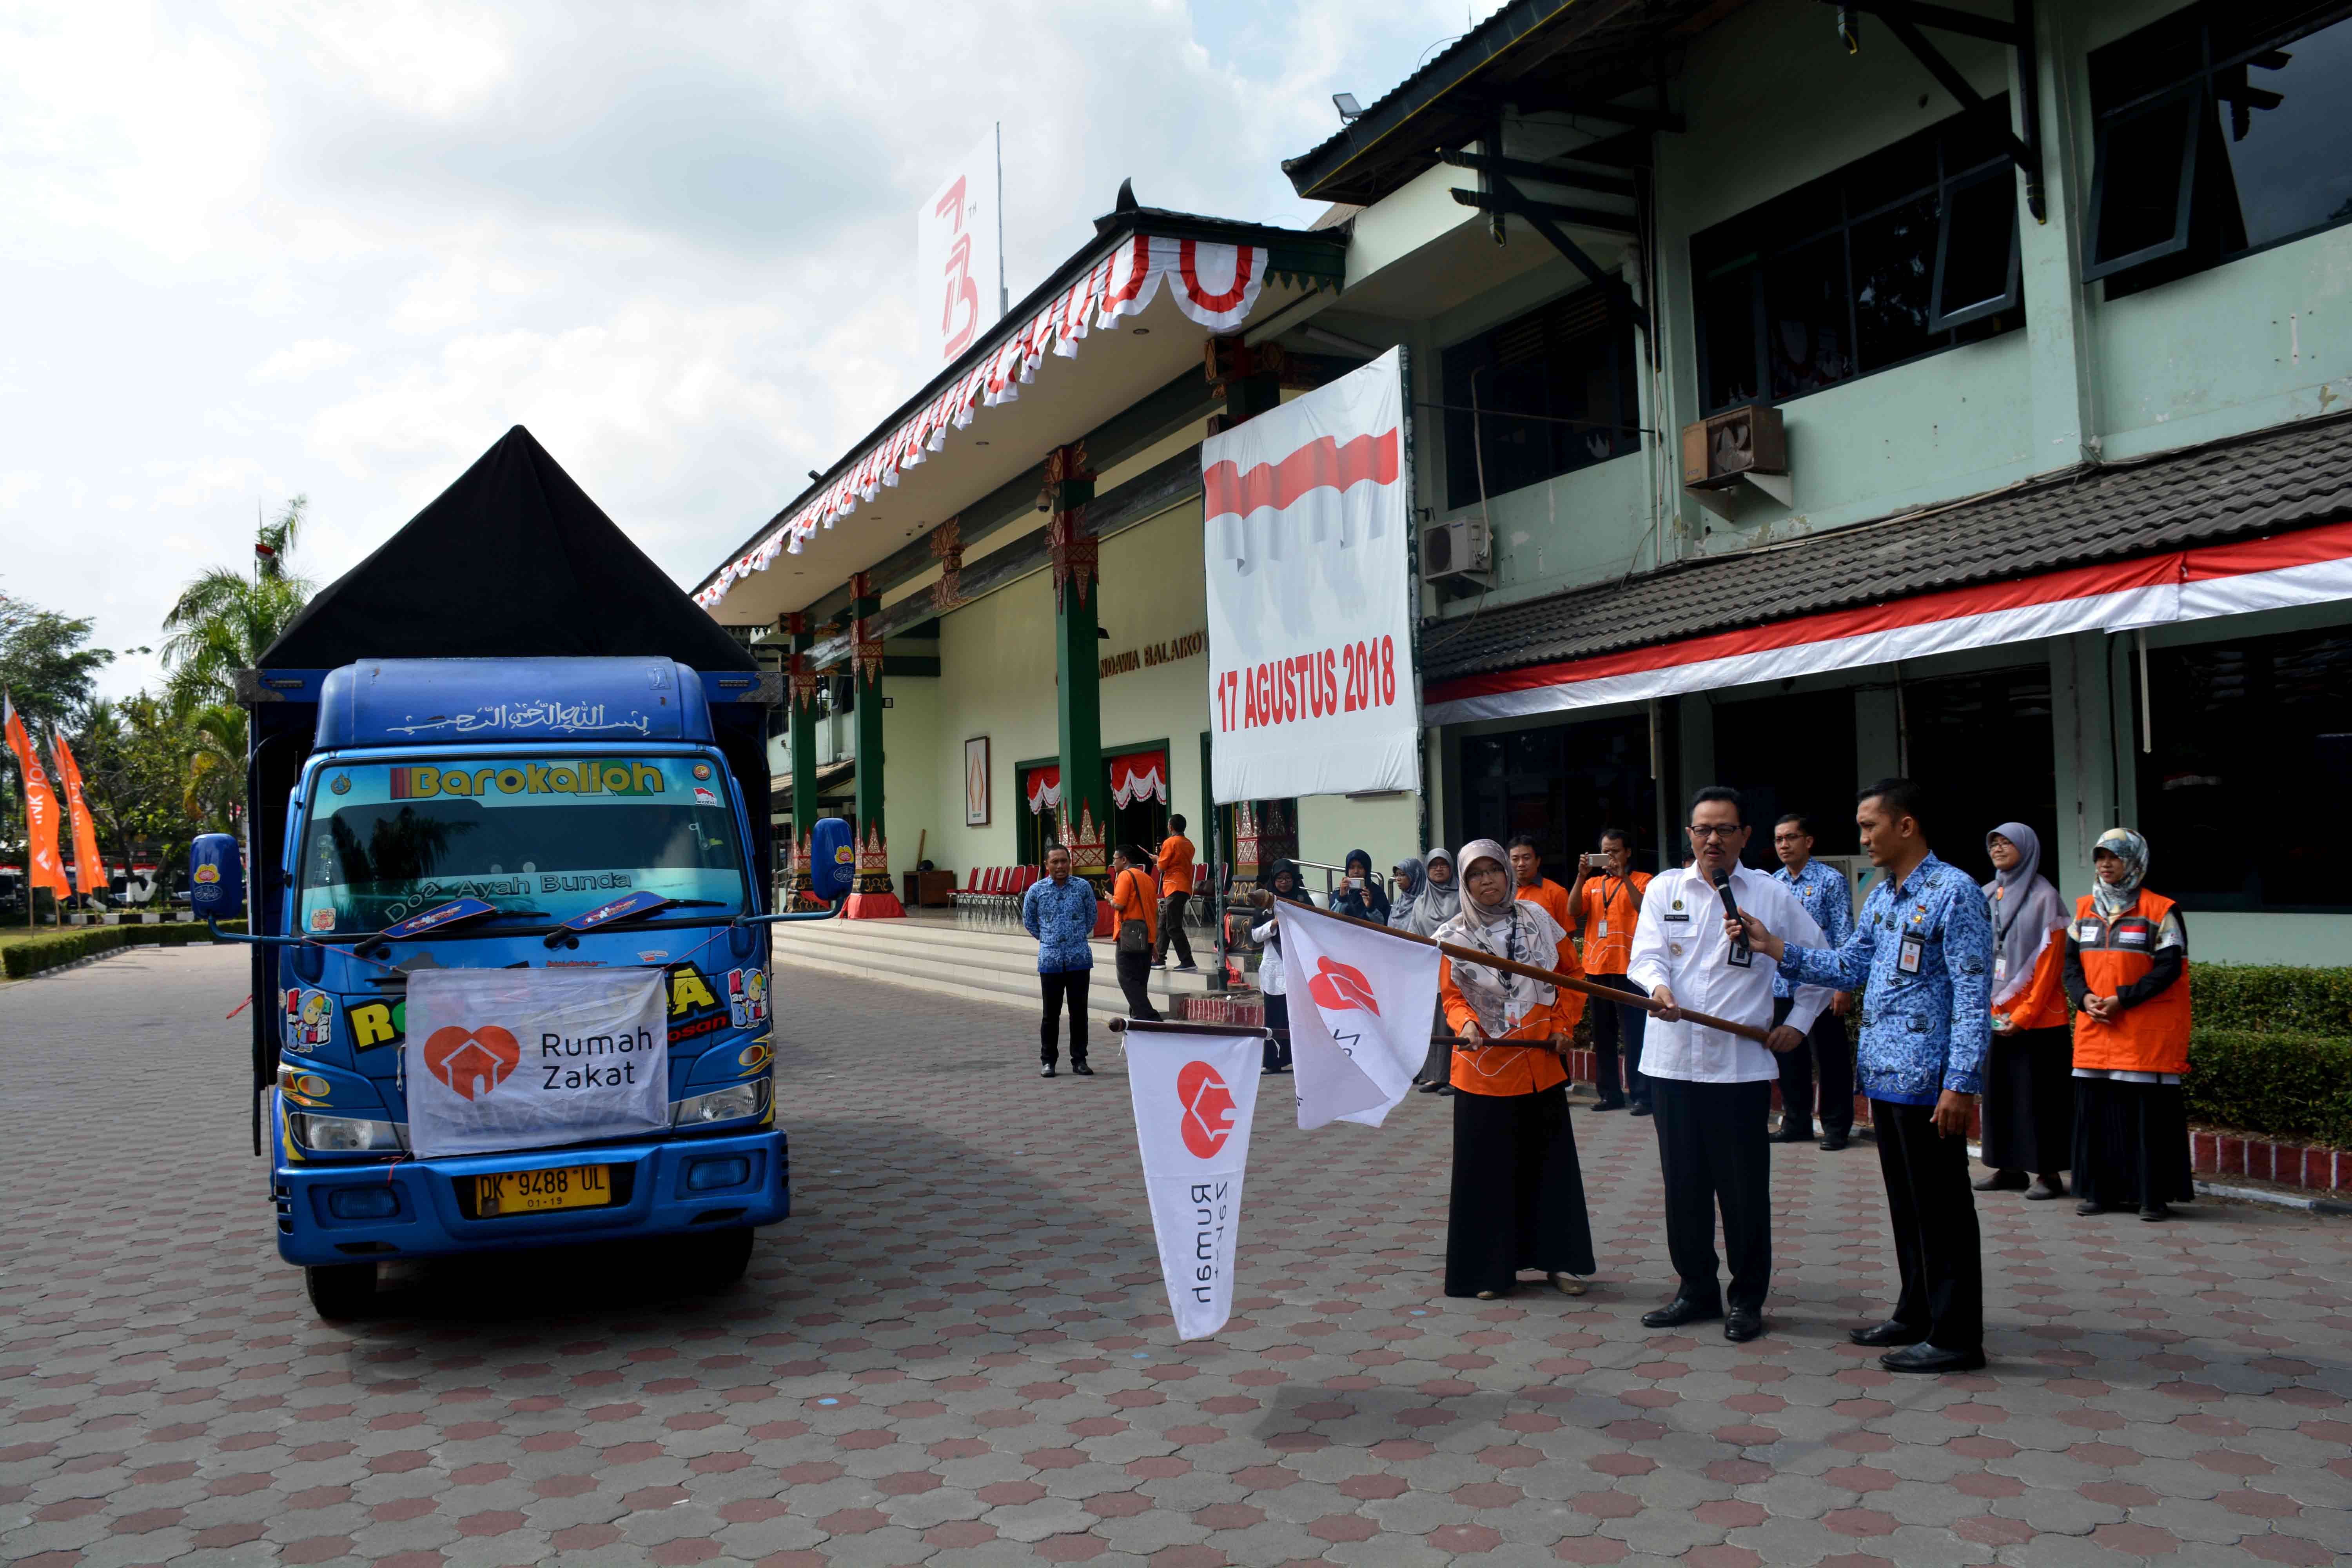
(134, 757)
(225, 617)
(46, 663)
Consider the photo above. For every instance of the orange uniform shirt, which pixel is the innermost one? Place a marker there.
(1612, 905)
(1554, 899)
(1132, 896)
(1493, 1070)
(1176, 864)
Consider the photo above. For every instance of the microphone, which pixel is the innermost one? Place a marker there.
(1741, 954)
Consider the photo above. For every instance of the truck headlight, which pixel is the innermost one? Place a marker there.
(343, 1134)
(731, 1104)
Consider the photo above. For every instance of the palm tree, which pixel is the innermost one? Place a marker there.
(224, 619)
(216, 788)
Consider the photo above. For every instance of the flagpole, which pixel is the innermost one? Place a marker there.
(1264, 899)
(1185, 1027)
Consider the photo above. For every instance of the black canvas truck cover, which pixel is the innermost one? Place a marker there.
(512, 561)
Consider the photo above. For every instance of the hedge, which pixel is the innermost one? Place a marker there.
(38, 953)
(2283, 1085)
(2275, 997)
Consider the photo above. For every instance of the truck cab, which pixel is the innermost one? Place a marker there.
(495, 815)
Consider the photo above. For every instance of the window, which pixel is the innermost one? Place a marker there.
(1985, 746)
(1908, 251)
(1563, 784)
(2216, 138)
(2251, 752)
(1555, 392)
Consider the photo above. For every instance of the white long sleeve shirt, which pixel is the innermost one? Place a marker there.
(1679, 943)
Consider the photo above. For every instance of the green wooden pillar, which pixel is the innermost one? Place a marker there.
(873, 899)
(1077, 666)
(800, 696)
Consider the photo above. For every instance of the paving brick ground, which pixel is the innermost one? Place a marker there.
(958, 1351)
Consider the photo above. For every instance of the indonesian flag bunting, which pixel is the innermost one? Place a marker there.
(1195, 1095)
(89, 867)
(1361, 1004)
(41, 867)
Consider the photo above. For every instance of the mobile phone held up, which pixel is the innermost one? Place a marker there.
(1597, 862)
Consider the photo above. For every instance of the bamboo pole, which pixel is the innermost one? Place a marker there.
(1264, 900)
(1186, 1026)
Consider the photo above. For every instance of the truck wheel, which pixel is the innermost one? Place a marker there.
(716, 1261)
(341, 1290)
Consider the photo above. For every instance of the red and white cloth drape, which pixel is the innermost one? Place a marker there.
(1215, 286)
(1045, 789)
(1140, 775)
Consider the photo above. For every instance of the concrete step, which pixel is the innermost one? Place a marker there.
(937, 956)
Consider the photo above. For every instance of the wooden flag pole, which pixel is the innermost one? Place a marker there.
(1264, 899)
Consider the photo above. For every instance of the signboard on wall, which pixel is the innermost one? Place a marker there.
(959, 257)
(1309, 544)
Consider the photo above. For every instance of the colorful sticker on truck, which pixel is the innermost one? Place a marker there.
(309, 1018)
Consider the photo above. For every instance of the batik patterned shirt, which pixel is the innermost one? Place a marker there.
(1922, 955)
(1061, 916)
(1828, 897)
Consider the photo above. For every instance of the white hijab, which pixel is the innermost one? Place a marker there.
(1521, 931)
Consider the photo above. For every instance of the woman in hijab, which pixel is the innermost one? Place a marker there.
(1282, 881)
(1408, 875)
(1359, 895)
(2128, 975)
(2029, 1099)
(1519, 1193)
(1440, 901)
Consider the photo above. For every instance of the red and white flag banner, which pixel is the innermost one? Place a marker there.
(1361, 1004)
(41, 863)
(2308, 566)
(1195, 1095)
(1309, 557)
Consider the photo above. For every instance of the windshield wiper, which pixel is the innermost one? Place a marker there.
(629, 907)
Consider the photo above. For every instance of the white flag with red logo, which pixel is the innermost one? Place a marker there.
(1194, 1096)
(522, 1059)
(1361, 1007)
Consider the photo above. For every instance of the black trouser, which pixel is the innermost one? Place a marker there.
(1060, 983)
(1277, 1016)
(1172, 929)
(1711, 1145)
(1825, 1045)
(1135, 980)
(1933, 1215)
(1609, 1019)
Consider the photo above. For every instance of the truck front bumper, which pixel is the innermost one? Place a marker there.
(670, 1187)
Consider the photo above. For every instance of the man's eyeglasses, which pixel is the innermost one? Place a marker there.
(1713, 830)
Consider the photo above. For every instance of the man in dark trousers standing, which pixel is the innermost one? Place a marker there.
(1175, 867)
(1924, 948)
(1827, 897)
(1712, 1090)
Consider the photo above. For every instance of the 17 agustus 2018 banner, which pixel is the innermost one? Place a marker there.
(1195, 1095)
(1308, 510)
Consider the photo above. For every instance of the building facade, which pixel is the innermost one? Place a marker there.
(1805, 394)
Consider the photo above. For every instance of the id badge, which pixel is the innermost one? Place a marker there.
(1915, 947)
(1604, 928)
(1999, 967)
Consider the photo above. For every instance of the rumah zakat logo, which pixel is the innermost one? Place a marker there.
(472, 1062)
(1208, 1117)
(1341, 987)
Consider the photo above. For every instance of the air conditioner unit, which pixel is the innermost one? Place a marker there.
(1743, 445)
(1457, 549)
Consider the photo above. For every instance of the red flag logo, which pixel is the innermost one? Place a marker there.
(472, 1061)
(1208, 1119)
(1341, 987)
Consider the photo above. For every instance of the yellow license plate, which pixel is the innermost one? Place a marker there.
(535, 1192)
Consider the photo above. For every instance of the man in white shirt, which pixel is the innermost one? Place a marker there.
(1713, 1090)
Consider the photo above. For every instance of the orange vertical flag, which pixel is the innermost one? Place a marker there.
(41, 867)
(89, 867)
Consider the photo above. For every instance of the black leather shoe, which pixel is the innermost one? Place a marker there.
(1080, 1069)
(2090, 1205)
(1433, 1088)
(1680, 1310)
(1787, 1134)
(1926, 1358)
(1889, 1332)
(1045, 1071)
(1835, 1142)
(2155, 1211)
(1639, 1107)
(2003, 1182)
(1742, 1325)
(1617, 1104)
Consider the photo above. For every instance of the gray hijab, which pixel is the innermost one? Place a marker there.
(2026, 909)
(1408, 892)
(1436, 904)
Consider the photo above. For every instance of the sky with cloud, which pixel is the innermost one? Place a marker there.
(258, 248)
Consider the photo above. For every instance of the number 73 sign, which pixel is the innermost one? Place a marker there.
(959, 277)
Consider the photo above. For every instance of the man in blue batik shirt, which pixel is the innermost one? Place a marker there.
(1923, 950)
(1058, 909)
(1828, 897)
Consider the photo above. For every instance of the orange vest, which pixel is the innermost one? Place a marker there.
(2043, 1004)
(1493, 1070)
(1611, 906)
(2152, 1036)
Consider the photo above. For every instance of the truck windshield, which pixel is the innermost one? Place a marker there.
(387, 840)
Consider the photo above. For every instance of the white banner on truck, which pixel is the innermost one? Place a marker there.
(522, 1059)
(1194, 1096)
(1308, 510)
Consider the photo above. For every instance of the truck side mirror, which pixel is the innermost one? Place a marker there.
(216, 876)
(833, 860)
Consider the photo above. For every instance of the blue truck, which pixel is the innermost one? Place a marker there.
(507, 811)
